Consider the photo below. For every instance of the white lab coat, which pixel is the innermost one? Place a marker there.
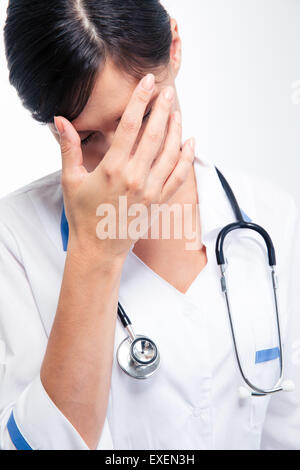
(192, 402)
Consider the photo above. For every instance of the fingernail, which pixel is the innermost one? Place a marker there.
(59, 125)
(148, 82)
(192, 143)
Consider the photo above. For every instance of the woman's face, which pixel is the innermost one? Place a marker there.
(99, 120)
(113, 89)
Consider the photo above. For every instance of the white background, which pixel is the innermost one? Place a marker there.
(239, 89)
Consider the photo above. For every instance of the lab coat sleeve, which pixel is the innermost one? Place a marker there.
(28, 417)
(282, 425)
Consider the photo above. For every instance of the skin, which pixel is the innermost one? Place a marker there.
(146, 162)
(111, 94)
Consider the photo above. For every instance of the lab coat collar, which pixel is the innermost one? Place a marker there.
(214, 206)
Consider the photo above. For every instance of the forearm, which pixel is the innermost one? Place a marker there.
(76, 370)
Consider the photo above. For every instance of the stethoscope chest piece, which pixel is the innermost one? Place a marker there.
(138, 357)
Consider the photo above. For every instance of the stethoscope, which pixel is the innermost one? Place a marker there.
(138, 355)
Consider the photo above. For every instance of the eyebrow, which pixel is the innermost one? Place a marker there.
(150, 104)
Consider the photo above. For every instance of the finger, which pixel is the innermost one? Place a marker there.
(180, 172)
(165, 163)
(70, 146)
(132, 118)
(154, 134)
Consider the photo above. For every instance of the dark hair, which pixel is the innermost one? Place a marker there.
(56, 48)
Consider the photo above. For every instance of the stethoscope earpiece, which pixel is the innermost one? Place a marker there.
(288, 386)
(244, 393)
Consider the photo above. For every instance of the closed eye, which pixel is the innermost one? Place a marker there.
(85, 141)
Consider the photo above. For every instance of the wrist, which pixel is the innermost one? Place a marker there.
(94, 255)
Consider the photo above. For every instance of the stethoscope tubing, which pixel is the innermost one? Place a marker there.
(257, 391)
(219, 249)
(244, 225)
(222, 262)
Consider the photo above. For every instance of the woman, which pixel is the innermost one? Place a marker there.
(102, 76)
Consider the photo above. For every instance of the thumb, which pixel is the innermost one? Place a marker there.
(70, 145)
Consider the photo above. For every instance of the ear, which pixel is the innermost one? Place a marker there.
(175, 50)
